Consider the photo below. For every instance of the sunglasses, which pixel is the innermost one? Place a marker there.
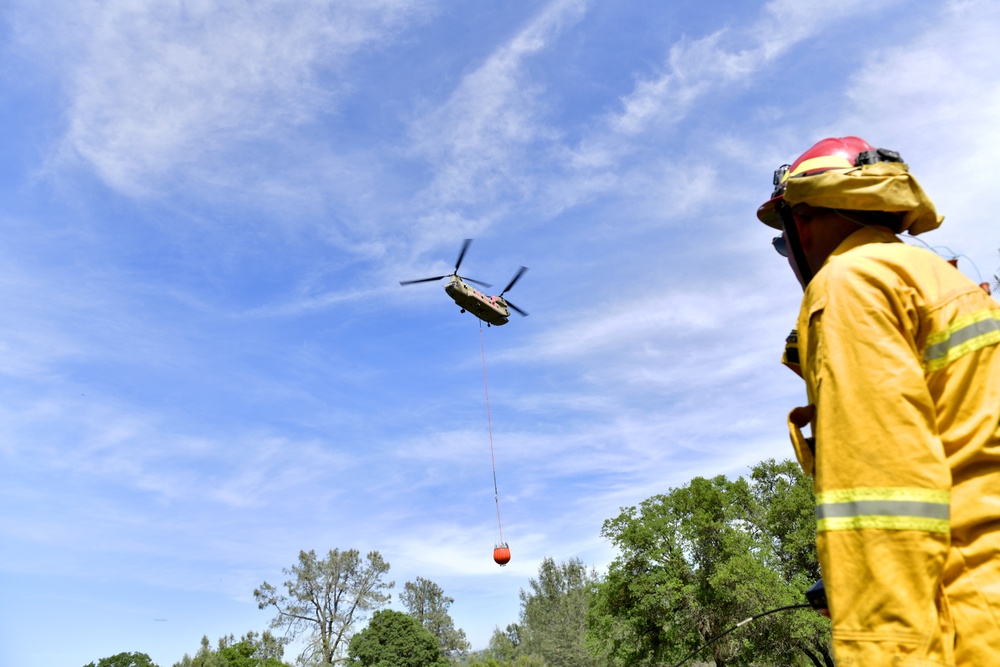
(780, 246)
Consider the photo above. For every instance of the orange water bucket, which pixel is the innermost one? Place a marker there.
(501, 554)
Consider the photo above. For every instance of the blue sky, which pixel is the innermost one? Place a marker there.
(208, 362)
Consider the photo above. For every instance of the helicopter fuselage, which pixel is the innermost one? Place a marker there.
(490, 309)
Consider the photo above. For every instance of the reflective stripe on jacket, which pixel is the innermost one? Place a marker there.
(900, 355)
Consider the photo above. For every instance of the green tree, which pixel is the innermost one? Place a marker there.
(205, 657)
(503, 651)
(425, 601)
(520, 661)
(784, 513)
(325, 598)
(554, 614)
(699, 559)
(505, 645)
(252, 650)
(124, 660)
(395, 639)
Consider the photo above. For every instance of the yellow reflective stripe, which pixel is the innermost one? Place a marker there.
(822, 162)
(884, 493)
(964, 335)
(887, 508)
(884, 523)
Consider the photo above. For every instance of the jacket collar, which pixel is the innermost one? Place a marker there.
(864, 236)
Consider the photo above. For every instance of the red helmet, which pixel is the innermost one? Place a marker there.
(826, 154)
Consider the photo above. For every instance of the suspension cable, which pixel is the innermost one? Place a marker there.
(489, 423)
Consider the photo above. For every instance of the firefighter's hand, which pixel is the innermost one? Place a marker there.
(801, 417)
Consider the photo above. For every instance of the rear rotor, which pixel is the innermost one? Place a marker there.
(513, 281)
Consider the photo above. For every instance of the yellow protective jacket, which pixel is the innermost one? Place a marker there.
(901, 357)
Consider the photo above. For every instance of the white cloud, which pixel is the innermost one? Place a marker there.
(726, 58)
(613, 157)
(936, 100)
(476, 140)
(653, 317)
(44, 315)
(162, 88)
(217, 438)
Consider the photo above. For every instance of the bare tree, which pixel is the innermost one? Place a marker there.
(325, 599)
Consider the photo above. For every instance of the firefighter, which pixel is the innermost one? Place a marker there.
(900, 353)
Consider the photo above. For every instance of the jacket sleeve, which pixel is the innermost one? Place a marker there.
(882, 479)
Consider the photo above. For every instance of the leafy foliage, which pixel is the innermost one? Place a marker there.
(520, 661)
(504, 651)
(552, 631)
(325, 598)
(692, 564)
(425, 601)
(506, 645)
(554, 614)
(395, 639)
(252, 650)
(124, 660)
(699, 559)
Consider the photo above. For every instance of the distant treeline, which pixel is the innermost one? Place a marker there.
(691, 564)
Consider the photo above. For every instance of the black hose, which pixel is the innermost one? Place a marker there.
(738, 625)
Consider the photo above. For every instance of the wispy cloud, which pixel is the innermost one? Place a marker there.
(694, 68)
(167, 94)
(208, 363)
(936, 99)
(477, 139)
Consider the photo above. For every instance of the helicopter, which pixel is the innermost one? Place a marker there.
(490, 309)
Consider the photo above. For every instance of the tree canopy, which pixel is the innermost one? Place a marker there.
(425, 601)
(505, 645)
(395, 639)
(252, 650)
(554, 614)
(693, 565)
(124, 660)
(699, 559)
(520, 661)
(325, 598)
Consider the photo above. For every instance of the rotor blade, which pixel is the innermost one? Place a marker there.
(422, 280)
(517, 276)
(461, 255)
(524, 314)
(478, 282)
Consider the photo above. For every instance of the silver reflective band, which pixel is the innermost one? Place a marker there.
(966, 336)
(894, 508)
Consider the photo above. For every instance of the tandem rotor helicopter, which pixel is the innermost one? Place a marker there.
(490, 309)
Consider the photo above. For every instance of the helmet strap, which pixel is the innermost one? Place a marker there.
(794, 242)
